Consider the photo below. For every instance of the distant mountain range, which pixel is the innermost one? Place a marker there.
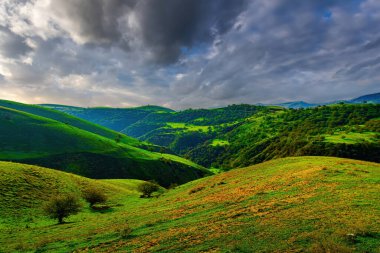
(371, 98)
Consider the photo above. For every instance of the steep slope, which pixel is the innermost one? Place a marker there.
(76, 122)
(37, 140)
(303, 204)
(350, 131)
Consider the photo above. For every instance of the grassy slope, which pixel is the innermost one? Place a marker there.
(286, 205)
(113, 118)
(73, 121)
(37, 140)
(25, 187)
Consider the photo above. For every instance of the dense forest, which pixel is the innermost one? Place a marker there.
(240, 135)
(339, 130)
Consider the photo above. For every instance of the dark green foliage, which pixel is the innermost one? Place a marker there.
(260, 133)
(301, 132)
(147, 188)
(268, 133)
(37, 140)
(94, 195)
(62, 206)
(144, 128)
(113, 118)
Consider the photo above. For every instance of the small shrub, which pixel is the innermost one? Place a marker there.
(62, 206)
(173, 186)
(125, 232)
(147, 188)
(94, 196)
(196, 190)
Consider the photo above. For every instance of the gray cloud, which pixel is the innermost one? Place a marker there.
(163, 27)
(12, 45)
(190, 53)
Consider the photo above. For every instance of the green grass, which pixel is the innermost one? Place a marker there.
(25, 187)
(303, 204)
(187, 127)
(352, 138)
(33, 139)
(218, 142)
(73, 121)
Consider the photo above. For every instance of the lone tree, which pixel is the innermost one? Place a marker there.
(147, 188)
(62, 206)
(94, 196)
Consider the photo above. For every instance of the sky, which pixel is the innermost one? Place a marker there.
(188, 53)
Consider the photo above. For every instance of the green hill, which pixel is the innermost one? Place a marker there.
(33, 139)
(371, 98)
(303, 204)
(77, 122)
(24, 188)
(112, 118)
(242, 135)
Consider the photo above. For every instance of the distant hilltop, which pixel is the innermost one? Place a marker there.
(370, 98)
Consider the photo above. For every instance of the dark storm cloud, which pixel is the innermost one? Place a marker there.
(164, 27)
(188, 53)
(169, 25)
(95, 21)
(290, 50)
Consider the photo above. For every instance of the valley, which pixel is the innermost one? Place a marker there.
(70, 144)
(242, 135)
(189, 126)
(223, 184)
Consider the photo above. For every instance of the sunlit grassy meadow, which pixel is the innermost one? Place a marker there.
(292, 204)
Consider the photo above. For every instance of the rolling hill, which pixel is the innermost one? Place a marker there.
(24, 188)
(296, 105)
(241, 135)
(302, 204)
(77, 122)
(371, 98)
(112, 118)
(33, 139)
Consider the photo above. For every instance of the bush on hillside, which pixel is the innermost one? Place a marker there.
(62, 206)
(94, 195)
(147, 188)
(125, 232)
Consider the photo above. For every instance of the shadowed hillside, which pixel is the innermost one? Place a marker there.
(77, 122)
(33, 139)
